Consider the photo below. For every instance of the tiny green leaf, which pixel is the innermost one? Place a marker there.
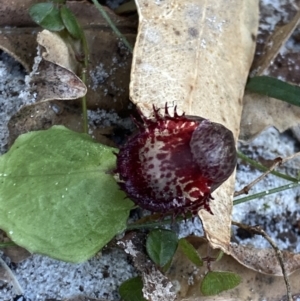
(58, 196)
(220, 255)
(70, 22)
(217, 282)
(190, 252)
(161, 246)
(131, 290)
(47, 16)
(275, 88)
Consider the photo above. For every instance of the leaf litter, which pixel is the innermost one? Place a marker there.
(203, 43)
(281, 62)
(254, 286)
(276, 137)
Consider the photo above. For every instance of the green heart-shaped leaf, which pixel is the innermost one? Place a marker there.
(58, 196)
(190, 252)
(131, 289)
(217, 282)
(47, 16)
(161, 246)
(70, 23)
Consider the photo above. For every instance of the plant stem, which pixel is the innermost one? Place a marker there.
(83, 78)
(148, 225)
(155, 223)
(7, 244)
(264, 168)
(84, 112)
(264, 193)
(112, 25)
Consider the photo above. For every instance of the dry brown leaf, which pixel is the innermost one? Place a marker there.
(109, 60)
(50, 81)
(15, 253)
(54, 72)
(43, 115)
(265, 260)
(196, 55)
(254, 285)
(17, 36)
(10, 41)
(273, 44)
(261, 111)
(109, 70)
(57, 50)
(15, 13)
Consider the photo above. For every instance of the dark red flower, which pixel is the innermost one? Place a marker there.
(173, 164)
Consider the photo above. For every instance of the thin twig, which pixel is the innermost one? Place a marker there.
(246, 189)
(258, 230)
(290, 157)
(83, 104)
(264, 168)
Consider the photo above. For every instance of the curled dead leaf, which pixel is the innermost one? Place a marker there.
(51, 81)
(57, 50)
(265, 260)
(54, 72)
